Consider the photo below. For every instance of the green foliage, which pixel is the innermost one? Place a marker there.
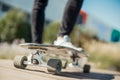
(50, 32)
(13, 25)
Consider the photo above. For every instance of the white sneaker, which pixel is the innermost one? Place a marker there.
(65, 41)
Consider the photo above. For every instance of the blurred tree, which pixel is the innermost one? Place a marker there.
(14, 25)
(50, 32)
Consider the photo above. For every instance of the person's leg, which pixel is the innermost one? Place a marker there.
(71, 12)
(69, 18)
(38, 17)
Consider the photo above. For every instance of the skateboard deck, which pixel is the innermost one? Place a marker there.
(59, 50)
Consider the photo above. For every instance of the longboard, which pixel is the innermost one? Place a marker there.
(54, 65)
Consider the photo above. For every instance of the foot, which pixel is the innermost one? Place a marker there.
(65, 41)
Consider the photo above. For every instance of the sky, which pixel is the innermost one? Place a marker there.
(107, 11)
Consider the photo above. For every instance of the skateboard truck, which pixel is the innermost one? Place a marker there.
(35, 57)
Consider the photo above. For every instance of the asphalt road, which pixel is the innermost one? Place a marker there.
(9, 72)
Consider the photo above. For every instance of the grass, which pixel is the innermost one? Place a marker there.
(104, 55)
(9, 51)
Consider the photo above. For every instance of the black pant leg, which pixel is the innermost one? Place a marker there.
(70, 14)
(38, 17)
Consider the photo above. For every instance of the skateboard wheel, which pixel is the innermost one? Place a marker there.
(54, 66)
(19, 62)
(86, 68)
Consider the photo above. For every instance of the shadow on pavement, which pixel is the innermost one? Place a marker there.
(92, 75)
(80, 75)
